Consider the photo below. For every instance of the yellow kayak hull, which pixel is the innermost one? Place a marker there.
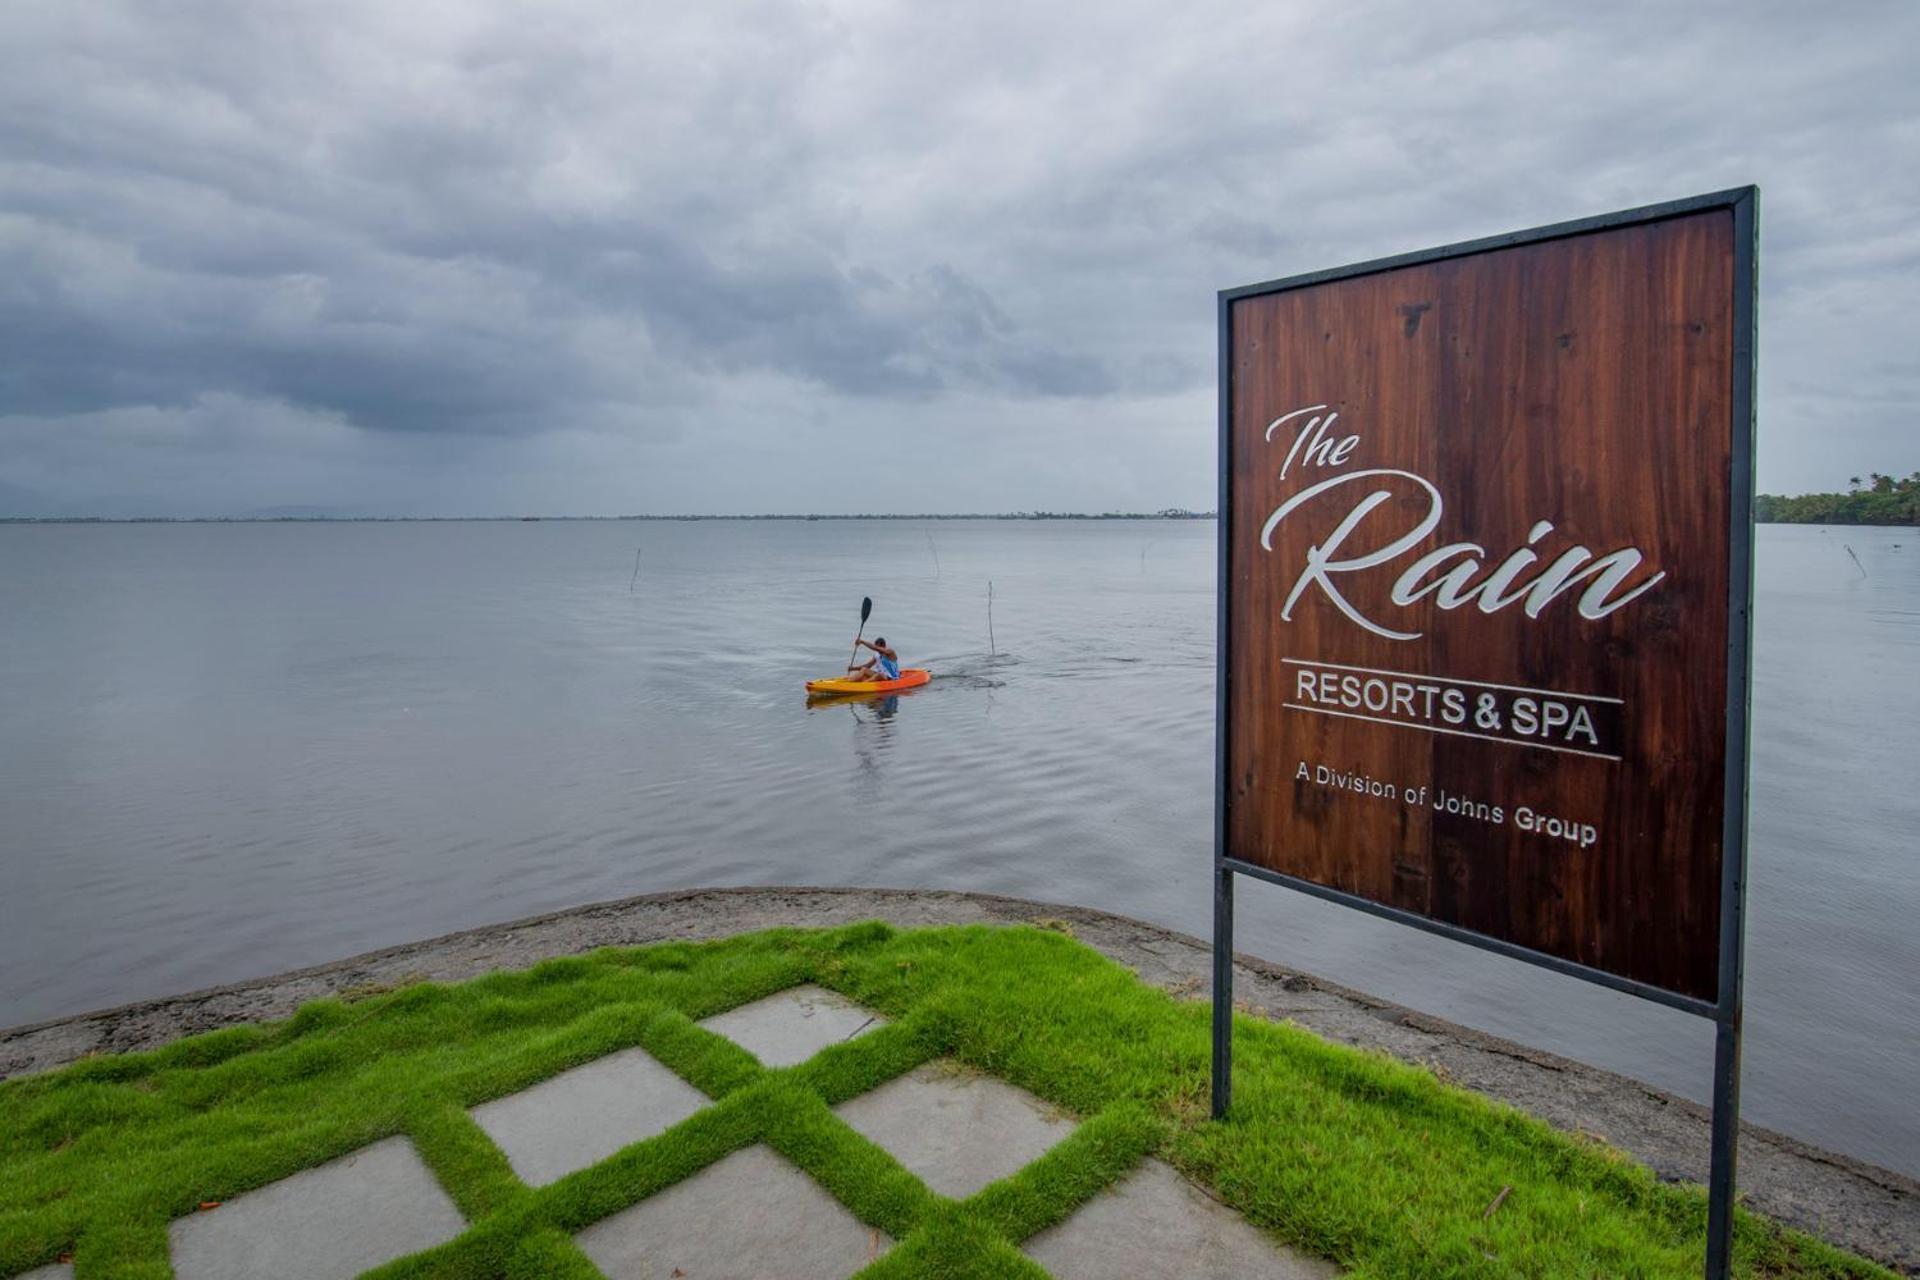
(910, 678)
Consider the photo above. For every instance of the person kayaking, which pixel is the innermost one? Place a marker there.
(883, 665)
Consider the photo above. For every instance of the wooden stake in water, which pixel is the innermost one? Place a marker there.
(936, 553)
(636, 570)
(992, 649)
(1856, 561)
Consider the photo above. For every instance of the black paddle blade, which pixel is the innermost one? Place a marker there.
(866, 609)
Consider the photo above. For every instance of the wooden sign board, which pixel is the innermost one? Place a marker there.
(1485, 522)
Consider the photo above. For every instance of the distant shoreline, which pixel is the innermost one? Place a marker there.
(983, 515)
(1171, 514)
(1884, 500)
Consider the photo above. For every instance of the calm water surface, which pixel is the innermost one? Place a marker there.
(230, 750)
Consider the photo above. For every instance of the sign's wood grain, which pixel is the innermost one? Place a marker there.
(1507, 736)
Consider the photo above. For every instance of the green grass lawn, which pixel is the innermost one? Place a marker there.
(1343, 1154)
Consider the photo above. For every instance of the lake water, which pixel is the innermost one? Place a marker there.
(230, 750)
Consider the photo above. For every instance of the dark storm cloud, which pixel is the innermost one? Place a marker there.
(281, 242)
(853, 330)
(285, 229)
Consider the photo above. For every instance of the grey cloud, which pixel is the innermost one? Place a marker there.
(592, 232)
(394, 258)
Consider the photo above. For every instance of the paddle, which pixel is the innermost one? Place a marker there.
(866, 611)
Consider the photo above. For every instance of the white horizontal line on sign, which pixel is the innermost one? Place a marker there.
(1434, 728)
(1484, 684)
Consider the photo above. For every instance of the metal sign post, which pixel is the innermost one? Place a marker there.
(1485, 572)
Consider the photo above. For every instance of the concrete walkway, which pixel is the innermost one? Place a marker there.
(750, 1215)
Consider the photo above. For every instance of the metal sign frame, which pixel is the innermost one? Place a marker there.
(1726, 1011)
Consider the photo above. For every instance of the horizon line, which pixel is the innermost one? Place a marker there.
(1170, 513)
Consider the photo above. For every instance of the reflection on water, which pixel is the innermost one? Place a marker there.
(884, 703)
(870, 744)
(873, 713)
(233, 750)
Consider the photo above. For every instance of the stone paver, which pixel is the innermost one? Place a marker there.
(1155, 1225)
(326, 1223)
(791, 1026)
(751, 1216)
(52, 1271)
(582, 1116)
(957, 1131)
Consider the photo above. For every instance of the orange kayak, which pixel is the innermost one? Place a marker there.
(910, 678)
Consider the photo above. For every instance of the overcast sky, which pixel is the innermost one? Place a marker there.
(591, 257)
